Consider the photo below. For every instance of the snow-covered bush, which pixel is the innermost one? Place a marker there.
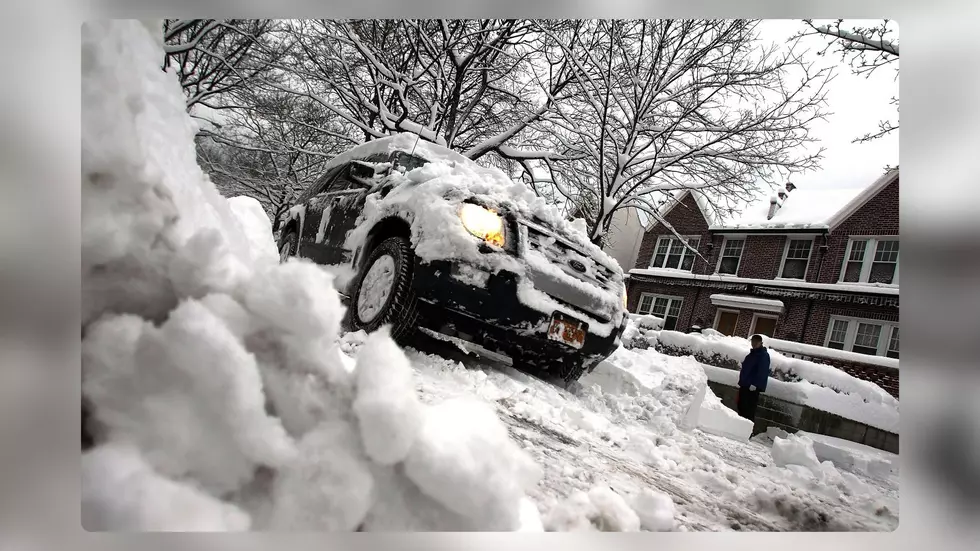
(218, 396)
(728, 352)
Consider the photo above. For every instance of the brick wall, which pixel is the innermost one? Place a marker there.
(761, 256)
(819, 319)
(686, 219)
(879, 216)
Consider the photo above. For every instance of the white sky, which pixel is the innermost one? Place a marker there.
(857, 104)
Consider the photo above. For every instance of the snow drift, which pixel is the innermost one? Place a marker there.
(218, 395)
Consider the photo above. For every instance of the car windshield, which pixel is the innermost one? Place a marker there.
(408, 161)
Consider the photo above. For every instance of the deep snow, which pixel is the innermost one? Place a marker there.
(224, 398)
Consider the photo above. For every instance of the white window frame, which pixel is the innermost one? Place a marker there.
(744, 239)
(869, 252)
(686, 251)
(852, 325)
(653, 301)
(718, 314)
(755, 318)
(782, 264)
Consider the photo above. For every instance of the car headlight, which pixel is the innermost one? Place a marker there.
(483, 223)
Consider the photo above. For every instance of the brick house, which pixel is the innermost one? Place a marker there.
(816, 266)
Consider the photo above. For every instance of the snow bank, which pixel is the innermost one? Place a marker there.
(822, 351)
(716, 418)
(218, 393)
(257, 226)
(796, 454)
(854, 457)
(732, 350)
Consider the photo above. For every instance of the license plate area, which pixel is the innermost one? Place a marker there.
(567, 330)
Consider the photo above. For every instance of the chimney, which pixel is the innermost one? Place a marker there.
(776, 201)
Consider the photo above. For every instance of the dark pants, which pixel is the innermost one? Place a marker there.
(747, 402)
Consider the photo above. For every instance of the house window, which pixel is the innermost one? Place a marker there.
(893, 344)
(871, 260)
(731, 255)
(796, 259)
(875, 338)
(666, 307)
(671, 253)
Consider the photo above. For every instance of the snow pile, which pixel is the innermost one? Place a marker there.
(655, 509)
(854, 457)
(218, 396)
(599, 509)
(796, 454)
(733, 350)
(257, 226)
(716, 418)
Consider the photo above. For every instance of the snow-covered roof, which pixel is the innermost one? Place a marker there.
(806, 208)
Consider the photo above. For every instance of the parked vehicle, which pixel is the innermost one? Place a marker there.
(444, 246)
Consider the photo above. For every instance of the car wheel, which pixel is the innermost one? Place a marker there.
(561, 370)
(384, 294)
(288, 246)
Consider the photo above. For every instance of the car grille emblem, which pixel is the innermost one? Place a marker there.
(576, 265)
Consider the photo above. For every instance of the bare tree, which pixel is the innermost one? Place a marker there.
(666, 105)
(271, 150)
(215, 57)
(865, 49)
(460, 83)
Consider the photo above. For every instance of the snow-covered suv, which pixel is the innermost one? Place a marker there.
(443, 245)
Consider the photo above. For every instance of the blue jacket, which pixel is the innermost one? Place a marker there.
(755, 369)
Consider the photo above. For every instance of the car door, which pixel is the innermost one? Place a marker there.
(341, 218)
(317, 214)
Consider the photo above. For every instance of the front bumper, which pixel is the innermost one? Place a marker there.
(494, 317)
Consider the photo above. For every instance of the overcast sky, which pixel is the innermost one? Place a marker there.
(857, 104)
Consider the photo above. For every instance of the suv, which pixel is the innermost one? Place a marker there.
(440, 244)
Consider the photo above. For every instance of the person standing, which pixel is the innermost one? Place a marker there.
(753, 378)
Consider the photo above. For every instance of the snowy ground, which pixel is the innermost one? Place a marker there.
(587, 440)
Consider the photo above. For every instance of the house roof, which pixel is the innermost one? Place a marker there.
(807, 208)
(678, 198)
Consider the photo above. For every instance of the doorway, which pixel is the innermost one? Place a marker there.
(726, 321)
(764, 325)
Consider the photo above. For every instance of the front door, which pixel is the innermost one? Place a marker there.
(764, 325)
(727, 320)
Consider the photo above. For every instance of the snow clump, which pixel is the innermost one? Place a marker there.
(216, 392)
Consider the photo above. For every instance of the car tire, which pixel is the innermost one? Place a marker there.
(561, 373)
(288, 246)
(391, 300)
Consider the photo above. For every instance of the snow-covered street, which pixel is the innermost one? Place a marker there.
(632, 444)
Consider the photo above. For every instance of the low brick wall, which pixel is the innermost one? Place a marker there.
(885, 377)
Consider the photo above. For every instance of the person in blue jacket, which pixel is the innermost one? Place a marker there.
(752, 378)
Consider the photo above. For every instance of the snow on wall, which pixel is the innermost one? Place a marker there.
(871, 288)
(218, 397)
(735, 349)
(831, 353)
